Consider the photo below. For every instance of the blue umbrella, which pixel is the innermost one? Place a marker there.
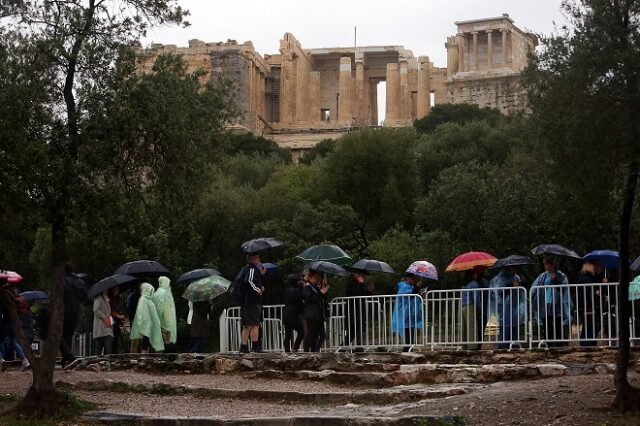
(608, 258)
(32, 296)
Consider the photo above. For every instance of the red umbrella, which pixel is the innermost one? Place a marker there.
(10, 276)
(470, 260)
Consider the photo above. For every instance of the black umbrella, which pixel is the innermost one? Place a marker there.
(142, 268)
(513, 260)
(86, 278)
(370, 265)
(110, 282)
(635, 266)
(327, 267)
(32, 296)
(196, 274)
(555, 250)
(260, 244)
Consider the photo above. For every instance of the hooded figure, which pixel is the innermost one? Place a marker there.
(509, 305)
(407, 312)
(163, 299)
(146, 322)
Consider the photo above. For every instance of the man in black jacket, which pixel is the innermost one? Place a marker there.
(314, 310)
(74, 293)
(251, 309)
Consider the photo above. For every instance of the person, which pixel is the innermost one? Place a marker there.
(589, 304)
(102, 324)
(146, 322)
(118, 317)
(166, 307)
(251, 309)
(509, 304)
(293, 310)
(355, 322)
(8, 341)
(199, 328)
(407, 314)
(74, 294)
(314, 310)
(131, 305)
(551, 306)
(471, 303)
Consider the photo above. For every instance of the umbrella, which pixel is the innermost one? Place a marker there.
(608, 258)
(327, 252)
(110, 282)
(635, 266)
(33, 296)
(470, 260)
(269, 266)
(86, 278)
(423, 269)
(513, 260)
(206, 288)
(634, 289)
(10, 276)
(142, 268)
(327, 267)
(196, 274)
(260, 244)
(554, 249)
(370, 265)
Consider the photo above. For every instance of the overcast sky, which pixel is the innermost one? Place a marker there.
(419, 25)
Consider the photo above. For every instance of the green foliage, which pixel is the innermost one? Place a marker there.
(321, 150)
(247, 143)
(456, 113)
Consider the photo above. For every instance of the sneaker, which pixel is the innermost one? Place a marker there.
(256, 347)
(244, 349)
(25, 364)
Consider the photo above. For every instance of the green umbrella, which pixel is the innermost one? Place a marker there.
(326, 252)
(206, 288)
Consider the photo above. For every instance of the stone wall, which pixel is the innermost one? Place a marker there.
(504, 93)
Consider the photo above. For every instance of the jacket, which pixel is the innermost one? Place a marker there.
(75, 292)
(165, 305)
(251, 284)
(101, 310)
(313, 303)
(200, 321)
(293, 303)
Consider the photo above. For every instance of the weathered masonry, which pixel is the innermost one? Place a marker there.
(301, 96)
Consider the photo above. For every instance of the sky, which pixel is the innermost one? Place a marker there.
(419, 25)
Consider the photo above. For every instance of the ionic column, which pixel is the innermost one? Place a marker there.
(344, 113)
(504, 47)
(474, 53)
(489, 49)
(313, 113)
(393, 91)
(405, 108)
(360, 92)
(461, 47)
(424, 87)
(453, 56)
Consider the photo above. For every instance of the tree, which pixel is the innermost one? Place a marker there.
(456, 113)
(584, 92)
(58, 56)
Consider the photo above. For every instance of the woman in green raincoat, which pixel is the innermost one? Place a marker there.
(146, 322)
(163, 299)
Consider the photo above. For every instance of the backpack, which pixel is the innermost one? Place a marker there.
(237, 287)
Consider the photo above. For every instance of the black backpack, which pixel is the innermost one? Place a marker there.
(237, 287)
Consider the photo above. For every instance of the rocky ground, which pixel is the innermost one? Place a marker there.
(579, 396)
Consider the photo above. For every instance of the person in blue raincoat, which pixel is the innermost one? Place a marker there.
(509, 305)
(551, 307)
(407, 312)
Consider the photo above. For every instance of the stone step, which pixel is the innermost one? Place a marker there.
(390, 395)
(111, 418)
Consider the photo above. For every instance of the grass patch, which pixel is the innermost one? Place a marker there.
(69, 412)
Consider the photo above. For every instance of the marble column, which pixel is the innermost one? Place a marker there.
(405, 95)
(453, 56)
(361, 109)
(373, 102)
(489, 49)
(287, 89)
(424, 87)
(393, 95)
(504, 48)
(461, 52)
(344, 108)
(474, 53)
(314, 96)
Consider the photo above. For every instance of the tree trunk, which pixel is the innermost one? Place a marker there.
(627, 396)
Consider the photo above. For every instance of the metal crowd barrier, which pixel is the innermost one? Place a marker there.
(370, 322)
(506, 317)
(584, 314)
(469, 319)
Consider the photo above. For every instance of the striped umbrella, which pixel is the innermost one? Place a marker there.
(470, 260)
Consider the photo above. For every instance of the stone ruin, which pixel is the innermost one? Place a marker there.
(301, 96)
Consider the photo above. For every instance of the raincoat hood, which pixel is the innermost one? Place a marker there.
(164, 282)
(146, 290)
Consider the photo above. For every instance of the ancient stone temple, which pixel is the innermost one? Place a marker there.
(301, 96)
